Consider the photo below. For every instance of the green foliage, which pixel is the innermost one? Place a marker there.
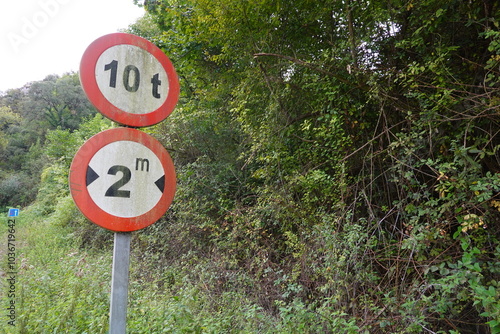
(58, 101)
(59, 289)
(60, 148)
(337, 166)
(24, 149)
(7, 118)
(366, 141)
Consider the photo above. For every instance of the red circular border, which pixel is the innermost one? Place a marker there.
(89, 82)
(81, 196)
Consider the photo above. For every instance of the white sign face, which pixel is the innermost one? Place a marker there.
(125, 179)
(131, 79)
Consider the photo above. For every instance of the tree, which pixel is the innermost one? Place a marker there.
(59, 101)
(26, 114)
(367, 151)
(7, 118)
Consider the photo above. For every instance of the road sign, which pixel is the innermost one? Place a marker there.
(122, 179)
(13, 212)
(129, 80)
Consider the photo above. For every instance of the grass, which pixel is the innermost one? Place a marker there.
(59, 288)
(63, 287)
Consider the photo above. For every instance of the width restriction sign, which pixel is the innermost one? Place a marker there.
(129, 80)
(122, 179)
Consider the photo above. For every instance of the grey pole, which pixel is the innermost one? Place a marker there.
(119, 284)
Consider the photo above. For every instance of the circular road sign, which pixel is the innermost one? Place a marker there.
(122, 179)
(129, 80)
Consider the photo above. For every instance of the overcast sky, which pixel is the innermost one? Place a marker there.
(42, 37)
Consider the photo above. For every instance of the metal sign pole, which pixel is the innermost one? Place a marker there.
(119, 284)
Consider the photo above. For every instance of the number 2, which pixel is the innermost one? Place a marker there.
(114, 190)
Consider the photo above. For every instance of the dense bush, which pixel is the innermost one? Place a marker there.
(364, 190)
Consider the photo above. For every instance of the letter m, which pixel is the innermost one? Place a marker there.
(143, 163)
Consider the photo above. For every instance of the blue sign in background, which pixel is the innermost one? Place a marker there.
(13, 212)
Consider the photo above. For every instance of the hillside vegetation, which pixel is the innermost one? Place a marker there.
(338, 171)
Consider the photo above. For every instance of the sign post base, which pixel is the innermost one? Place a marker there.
(119, 283)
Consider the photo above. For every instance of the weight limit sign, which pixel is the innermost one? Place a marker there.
(122, 179)
(129, 80)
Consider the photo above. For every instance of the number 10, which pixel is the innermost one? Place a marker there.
(136, 75)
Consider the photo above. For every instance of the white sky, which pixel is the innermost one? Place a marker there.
(42, 37)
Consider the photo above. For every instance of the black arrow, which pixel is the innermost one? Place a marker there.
(91, 176)
(160, 183)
